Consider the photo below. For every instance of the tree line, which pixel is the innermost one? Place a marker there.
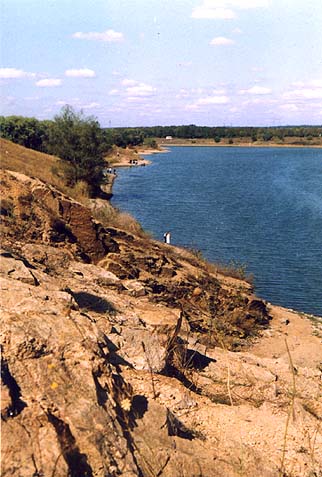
(229, 132)
(78, 140)
(82, 144)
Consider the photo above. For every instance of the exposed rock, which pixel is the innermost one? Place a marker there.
(16, 269)
(145, 340)
(117, 356)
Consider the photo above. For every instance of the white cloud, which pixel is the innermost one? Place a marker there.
(115, 110)
(225, 9)
(298, 84)
(140, 89)
(213, 13)
(183, 93)
(237, 31)
(289, 107)
(248, 4)
(256, 90)
(221, 40)
(192, 107)
(317, 83)
(198, 91)
(77, 103)
(129, 82)
(80, 73)
(315, 105)
(257, 69)
(90, 105)
(304, 93)
(136, 99)
(218, 91)
(264, 101)
(213, 100)
(206, 101)
(14, 73)
(136, 89)
(49, 82)
(110, 36)
(7, 100)
(113, 92)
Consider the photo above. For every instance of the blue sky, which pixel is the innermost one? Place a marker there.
(148, 62)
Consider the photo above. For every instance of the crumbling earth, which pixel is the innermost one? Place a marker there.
(124, 356)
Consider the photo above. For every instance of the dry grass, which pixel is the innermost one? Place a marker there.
(232, 269)
(47, 168)
(32, 163)
(52, 170)
(110, 216)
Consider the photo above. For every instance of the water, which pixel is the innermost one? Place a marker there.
(257, 206)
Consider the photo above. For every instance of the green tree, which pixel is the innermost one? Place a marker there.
(28, 132)
(150, 142)
(80, 141)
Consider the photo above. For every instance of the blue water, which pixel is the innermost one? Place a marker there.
(257, 206)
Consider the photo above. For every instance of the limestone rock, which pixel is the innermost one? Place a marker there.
(117, 356)
(16, 269)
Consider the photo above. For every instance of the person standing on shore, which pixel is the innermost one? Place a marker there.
(167, 237)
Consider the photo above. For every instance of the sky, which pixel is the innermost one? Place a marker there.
(160, 62)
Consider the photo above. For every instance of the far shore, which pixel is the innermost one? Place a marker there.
(135, 157)
(201, 143)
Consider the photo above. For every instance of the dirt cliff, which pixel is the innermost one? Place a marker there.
(125, 356)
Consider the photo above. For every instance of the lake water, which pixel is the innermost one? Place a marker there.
(257, 206)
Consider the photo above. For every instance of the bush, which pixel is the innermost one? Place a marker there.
(80, 142)
(150, 142)
(28, 132)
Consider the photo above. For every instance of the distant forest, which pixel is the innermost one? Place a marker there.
(35, 134)
(217, 133)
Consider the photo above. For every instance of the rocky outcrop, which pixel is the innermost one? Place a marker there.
(117, 356)
(36, 212)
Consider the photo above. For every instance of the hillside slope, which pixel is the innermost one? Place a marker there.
(117, 355)
(33, 163)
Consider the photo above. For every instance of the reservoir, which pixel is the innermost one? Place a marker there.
(259, 207)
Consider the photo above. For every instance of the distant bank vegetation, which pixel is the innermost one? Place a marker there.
(217, 133)
(39, 135)
(82, 144)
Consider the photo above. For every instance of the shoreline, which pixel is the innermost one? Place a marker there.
(108, 188)
(123, 159)
(129, 157)
(163, 148)
(250, 145)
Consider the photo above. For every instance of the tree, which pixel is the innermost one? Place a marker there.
(80, 141)
(28, 132)
(150, 142)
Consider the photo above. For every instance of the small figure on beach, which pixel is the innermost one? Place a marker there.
(167, 237)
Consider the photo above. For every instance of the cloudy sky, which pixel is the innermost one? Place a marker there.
(160, 62)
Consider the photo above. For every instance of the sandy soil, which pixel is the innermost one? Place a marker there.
(120, 157)
(237, 142)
